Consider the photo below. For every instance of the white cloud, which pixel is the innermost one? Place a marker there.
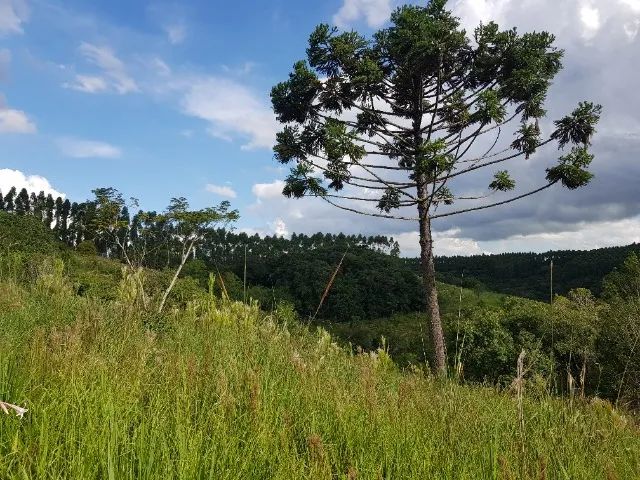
(271, 190)
(13, 13)
(221, 190)
(584, 236)
(634, 5)
(78, 148)
(279, 228)
(231, 109)
(114, 73)
(243, 69)
(590, 18)
(445, 244)
(375, 12)
(176, 33)
(88, 84)
(160, 67)
(33, 183)
(14, 121)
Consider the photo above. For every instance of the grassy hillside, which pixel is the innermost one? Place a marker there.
(221, 390)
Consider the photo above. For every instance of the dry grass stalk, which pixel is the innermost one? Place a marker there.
(316, 448)
(6, 407)
(328, 287)
(519, 385)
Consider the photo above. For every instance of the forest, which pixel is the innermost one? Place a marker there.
(360, 290)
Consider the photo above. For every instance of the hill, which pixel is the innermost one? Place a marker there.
(528, 274)
(219, 389)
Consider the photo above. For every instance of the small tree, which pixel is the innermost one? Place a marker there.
(389, 122)
(189, 227)
(182, 228)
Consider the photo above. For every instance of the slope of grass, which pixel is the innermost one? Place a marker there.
(220, 390)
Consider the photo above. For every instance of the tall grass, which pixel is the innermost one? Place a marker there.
(220, 390)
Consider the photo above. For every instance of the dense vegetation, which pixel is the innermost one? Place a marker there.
(581, 345)
(371, 282)
(528, 274)
(219, 389)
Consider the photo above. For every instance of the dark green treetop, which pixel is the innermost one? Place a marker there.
(399, 113)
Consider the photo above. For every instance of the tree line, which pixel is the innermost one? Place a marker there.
(528, 274)
(372, 282)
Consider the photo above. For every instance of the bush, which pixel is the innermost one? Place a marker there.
(87, 247)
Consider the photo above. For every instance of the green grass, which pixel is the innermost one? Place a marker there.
(220, 390)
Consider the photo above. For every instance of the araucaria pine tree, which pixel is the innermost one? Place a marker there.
(405, 113)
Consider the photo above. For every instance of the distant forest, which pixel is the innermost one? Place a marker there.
(528, 274)
(373, 281)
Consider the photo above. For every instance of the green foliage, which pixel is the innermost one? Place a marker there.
(572, 169)
(425, 70)
(110, 397)
(26, 234)
(87, 247)
(502, 182)
(624, 282)
(527, 274)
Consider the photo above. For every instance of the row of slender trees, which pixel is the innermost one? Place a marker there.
(71, 221)
(76, 222)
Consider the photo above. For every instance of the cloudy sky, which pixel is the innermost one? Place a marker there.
(172, 99)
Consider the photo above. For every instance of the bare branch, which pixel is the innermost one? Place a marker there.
(359, 212)
(513, 199)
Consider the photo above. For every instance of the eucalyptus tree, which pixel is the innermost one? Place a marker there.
(9, 198)
(22, 206)
(188, 229)
(184, 228)
(408, 111)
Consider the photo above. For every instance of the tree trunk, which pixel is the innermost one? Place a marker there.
(431, 291)
(174, 279)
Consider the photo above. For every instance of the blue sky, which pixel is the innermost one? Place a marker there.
(172, 99)
(160, 147)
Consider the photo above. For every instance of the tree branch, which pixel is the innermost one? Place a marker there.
(456, 212)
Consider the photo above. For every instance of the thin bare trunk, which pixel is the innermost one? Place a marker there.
(166, 293)
(431, 291)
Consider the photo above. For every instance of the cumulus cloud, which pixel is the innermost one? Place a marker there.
(33, 183)
(268, 190)
(15, 121)
(279, 228)
(232, 110)
(13, 13)
(79, 148)
(374, 12)
(113, 75)
(445, 243)
(221, 190)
